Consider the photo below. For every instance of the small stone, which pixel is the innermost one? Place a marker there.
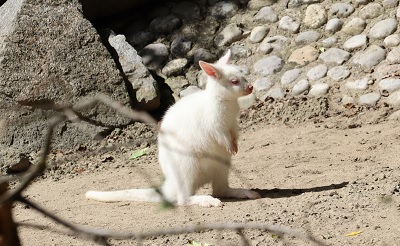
(389, 3)
(335, 55)
(392, 40)
(317, 72)
(383, 28)
(290, 76)
(329, 42)
(355, 26)
(394, 55)
(307, 37)
(174, 67)
(266, 14)
(288, 24)
(202, 54)
(300, 87)
(263, 84)
(304, 55)
(395, 115)
(258, 34)
(224, 9)
(165, 24)
(348, 100)
(177, 83)
(334, 25)
(257, 4)
(369, 99)
(315, 16)
(319, 90)
(240, 51)
(370, 57)
(272, 44)
(394, 98)
(269, 65)
(342, 9)
(339, 73)
(154, 55)
(389, 85)
(180, 46)
(228, 35)
(371, 11)
(355, 42)
(360, 85)
(274, 93)
(386, 70)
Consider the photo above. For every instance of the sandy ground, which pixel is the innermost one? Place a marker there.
(330, 181)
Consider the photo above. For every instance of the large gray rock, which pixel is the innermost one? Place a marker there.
(144, 85)
(52, 56)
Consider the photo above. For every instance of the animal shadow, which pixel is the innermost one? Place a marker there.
(281, 193)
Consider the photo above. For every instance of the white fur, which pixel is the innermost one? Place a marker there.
(197, 137)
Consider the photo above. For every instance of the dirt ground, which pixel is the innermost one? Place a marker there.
(328, 177)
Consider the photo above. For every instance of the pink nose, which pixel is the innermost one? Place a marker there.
(250, 87)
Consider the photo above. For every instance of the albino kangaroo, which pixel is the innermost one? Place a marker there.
(197, 137)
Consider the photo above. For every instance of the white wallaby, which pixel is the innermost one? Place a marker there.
(197, 137)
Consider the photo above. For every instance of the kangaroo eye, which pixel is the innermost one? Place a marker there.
(234, 81)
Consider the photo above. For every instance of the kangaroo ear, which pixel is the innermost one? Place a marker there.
(209, 69)
(225, 59)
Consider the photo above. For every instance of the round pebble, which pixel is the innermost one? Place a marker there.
(154, 55)
(354, 26)
(268, 65)
(258, 34)
(317, 72)
(394, 55)
(304, 55)
(335, 55)
(371, 11)
(369, 99)
(392, 40)
(224, 9)
(180, 46)
(288, 24)
(300, 87)
(339, 73)
(272, 44)
(360, 84)
(307, 37)
(274, 93)
(334, 25)
(165, 24)
(342, 10)
(355, 42)
(394, 98)
(290, 76)
(373, 55)
(263, 84)
(228, 35)
(389, 85)
(383, 28)
(315, 16)
(319, 90)
(174, 67)
(266, 15)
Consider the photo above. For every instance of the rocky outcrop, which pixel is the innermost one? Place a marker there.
(51, 56)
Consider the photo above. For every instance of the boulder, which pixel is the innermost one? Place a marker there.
(51, 56)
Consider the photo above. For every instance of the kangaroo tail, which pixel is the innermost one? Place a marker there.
(140, 195)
